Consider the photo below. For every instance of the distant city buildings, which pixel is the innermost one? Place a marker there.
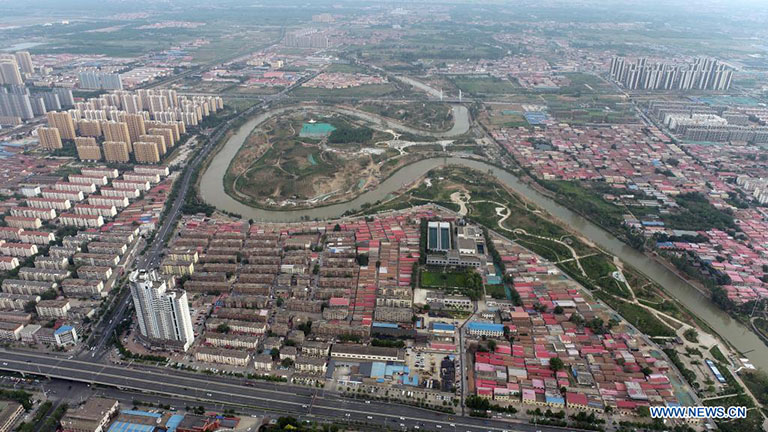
(757, 187)
(63, 122)
(16, 103)
(336, 80)
(116, 122)
(703, 74)
(146, 152)
(98, 80)
(116, 151)
(9, 71)
(49, 138)
(322, 18)
(163, 315)
(702, 122)
(87, 149)
(24, 61)
(308, 38)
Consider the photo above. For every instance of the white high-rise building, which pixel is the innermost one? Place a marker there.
(95, 80)
(163, 314)
(9, 71)
(25, 62)
(701, 74)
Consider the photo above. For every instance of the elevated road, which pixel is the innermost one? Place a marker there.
(293, 400)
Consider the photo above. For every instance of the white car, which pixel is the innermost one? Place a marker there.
(369, 418)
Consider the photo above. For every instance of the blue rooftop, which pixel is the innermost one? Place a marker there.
(483, 326)
(173, 422)
(653, 223)
(555, 399)
(63, 329)
(141, 413)
(443, 326)
(381, 369)
(120, 426)
(411, 380)
(535, 117)
(384, 325)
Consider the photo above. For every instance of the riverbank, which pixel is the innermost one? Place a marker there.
(386, 168)
(741, 337)
(542, 188)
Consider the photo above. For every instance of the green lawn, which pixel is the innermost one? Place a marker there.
(468, 283)
(496, 291)
(438, 279)
(344, 68)
(718, 355)
(638, 317)
(484, 85)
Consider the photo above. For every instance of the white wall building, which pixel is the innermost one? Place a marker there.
(162, 314)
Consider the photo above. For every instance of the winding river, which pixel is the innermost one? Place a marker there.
(212, 191)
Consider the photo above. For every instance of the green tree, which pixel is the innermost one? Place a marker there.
(49, 294)
(556, 364)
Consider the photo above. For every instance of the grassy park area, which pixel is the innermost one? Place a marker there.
(484, 85)
(428, 116)
(467, 282)
(312, 157)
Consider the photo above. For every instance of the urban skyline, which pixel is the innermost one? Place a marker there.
(341, 216)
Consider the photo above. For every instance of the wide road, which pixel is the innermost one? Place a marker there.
(265, 396)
